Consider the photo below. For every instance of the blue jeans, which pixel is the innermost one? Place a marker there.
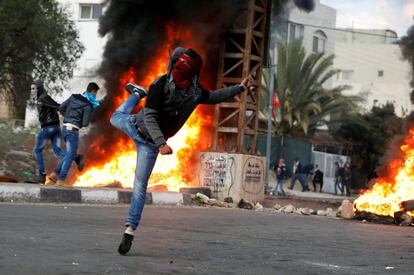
(71, 138)
(51, 133)
(147, 153)
(301, 178)
(279, 185)
(338, 185)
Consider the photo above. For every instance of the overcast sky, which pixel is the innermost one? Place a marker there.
(396, 15)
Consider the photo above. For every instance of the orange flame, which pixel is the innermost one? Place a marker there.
(384, 197)
(172, 171)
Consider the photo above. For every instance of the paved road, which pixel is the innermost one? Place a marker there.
(78, 239)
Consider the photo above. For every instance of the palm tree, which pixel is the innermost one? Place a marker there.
(305, 103)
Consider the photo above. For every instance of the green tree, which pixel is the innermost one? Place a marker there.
(305, 103)
(37, 40)
(370, 141)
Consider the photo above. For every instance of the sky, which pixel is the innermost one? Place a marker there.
(396, 15)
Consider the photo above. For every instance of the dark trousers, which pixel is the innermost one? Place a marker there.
(301, 178)
(314, 182)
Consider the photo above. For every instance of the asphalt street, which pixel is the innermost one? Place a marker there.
(83, 239)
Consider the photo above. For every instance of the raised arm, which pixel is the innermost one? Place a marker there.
(220, 95)
(223, 94)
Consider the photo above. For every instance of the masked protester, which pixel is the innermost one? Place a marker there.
(49, 126)
(77, 111)
(171, 100)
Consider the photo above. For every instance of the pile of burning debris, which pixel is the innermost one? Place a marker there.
(347, 210)
(404, 217)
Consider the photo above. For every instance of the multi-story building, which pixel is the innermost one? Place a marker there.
(370, 62)
(315, 28)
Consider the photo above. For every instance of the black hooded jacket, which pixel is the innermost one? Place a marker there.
(167, 108)
(76, 110)
(46, 106)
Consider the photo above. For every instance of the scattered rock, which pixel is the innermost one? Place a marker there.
(346, 210)
(214, 202)
(298, 211)
(321, 213)
(202, 198)
(245, 204)
(288, 209)
(312, 212)
(258, 207)
(402, 218)
(306, 211)
(228, 199)
(277, 206)
(331, 213)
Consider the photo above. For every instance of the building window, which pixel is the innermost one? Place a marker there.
(319, 42)
(380, 73)
(295, 31)
(347, 74)
(90, 11)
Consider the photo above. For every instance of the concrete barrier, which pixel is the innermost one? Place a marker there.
(39, 193)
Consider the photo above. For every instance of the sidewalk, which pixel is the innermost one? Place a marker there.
(309, 195)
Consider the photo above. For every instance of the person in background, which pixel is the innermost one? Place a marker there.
(47, 110)
(346, 179)
(308, 171)
(298, 174)
(280, 178)
(338, 178)
(317, 178)
(77, 111)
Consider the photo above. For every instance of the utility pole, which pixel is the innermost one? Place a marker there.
(269, 125)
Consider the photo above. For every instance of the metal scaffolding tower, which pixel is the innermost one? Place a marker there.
(242, 53)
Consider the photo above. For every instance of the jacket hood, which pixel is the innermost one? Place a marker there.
(40, 87)
(173, 58)
(171, 62)
(79, 101)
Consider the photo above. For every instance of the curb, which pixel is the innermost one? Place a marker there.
(26, 192)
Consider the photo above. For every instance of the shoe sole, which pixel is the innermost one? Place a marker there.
(130, 87)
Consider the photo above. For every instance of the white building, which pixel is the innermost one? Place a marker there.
(85, 15)
(316, 28)
(370, 61)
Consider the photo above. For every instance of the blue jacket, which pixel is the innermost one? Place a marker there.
(76, 110)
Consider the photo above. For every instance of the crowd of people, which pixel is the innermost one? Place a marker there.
(311, 173)
(75, 113)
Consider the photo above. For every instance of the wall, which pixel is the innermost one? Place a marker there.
(239, 176)
(365, 60)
